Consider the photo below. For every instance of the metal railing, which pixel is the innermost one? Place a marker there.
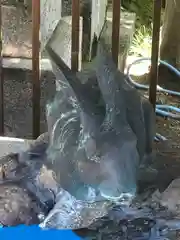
(75, 53)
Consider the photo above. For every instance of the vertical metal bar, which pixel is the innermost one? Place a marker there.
(1, 79)
(116, 29)
(35, 67)
(155, 52)
(75, 35)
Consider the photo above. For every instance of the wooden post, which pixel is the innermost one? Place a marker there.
(155, 52)
(75, 35)
(35, 67)
(1, 80)
(115, 30)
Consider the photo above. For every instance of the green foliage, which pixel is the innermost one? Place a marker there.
(142, 8)
(141, 44)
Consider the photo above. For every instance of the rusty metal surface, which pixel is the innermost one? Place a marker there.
(1, 82)
(75, 35)
(115, 29)
(35, 67)
(155, 51)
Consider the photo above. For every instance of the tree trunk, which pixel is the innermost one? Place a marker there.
(170, 44)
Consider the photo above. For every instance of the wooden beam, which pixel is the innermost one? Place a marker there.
(35, 67)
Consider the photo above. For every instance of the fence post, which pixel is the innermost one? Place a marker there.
(1, 80)
(75, 35)
(155, 52)
(116, 30)
(35, 67)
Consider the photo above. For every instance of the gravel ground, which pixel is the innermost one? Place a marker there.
(18, 101)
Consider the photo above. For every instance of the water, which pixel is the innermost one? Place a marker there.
(101, 155)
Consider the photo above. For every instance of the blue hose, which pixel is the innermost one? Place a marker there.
(161, 110)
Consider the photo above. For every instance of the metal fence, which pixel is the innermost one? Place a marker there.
(74, 54)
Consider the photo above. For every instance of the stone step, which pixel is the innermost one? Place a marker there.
(25, 64)
(16, 32)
